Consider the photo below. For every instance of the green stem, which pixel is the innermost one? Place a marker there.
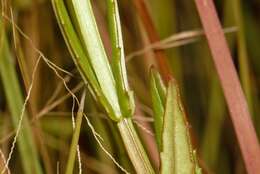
(75, 137)
(134, 147)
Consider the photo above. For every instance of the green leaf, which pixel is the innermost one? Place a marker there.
(158, 93)
(177, 155)
(80, 57)
(83, 17)
(118, 60)
(111, 88)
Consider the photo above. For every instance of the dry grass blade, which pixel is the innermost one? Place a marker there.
(175, 40)
(97, 138)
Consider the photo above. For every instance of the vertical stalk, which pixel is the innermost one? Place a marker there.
(134, 147)
(233, 93)
(74, 147)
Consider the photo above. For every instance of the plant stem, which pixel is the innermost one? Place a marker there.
(134, 147)
(230, 83)
(75, 138)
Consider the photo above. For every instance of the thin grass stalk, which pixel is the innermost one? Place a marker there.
(231, 86)
(74, 147)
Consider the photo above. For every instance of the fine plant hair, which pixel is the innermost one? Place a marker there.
(97, 138)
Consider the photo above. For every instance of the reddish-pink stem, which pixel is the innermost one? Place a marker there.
(231, 86)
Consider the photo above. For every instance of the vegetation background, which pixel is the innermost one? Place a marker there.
(33, 51)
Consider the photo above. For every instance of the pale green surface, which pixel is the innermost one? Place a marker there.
(134, 147)
(80, 57)
(176, 155)
(91, 41)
